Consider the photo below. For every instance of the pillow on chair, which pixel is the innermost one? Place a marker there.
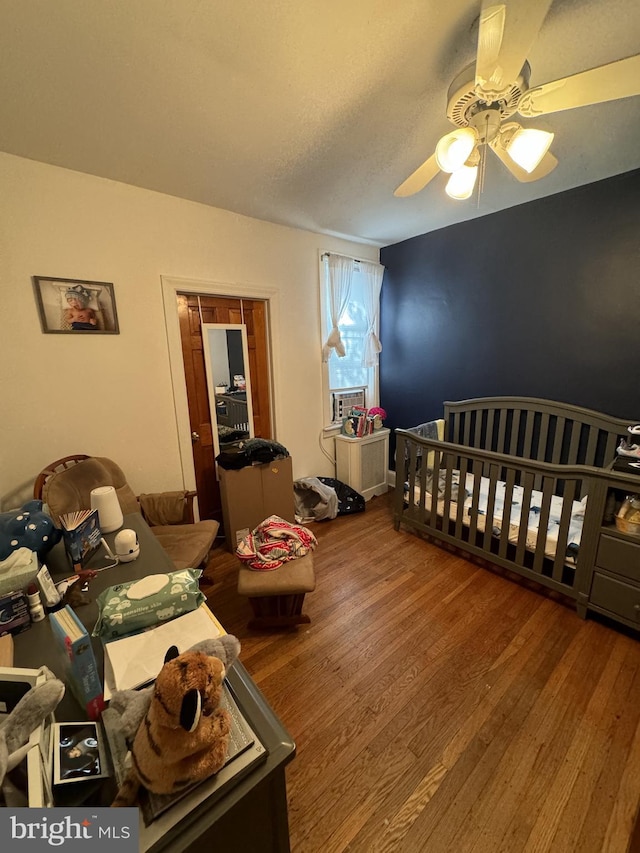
(164, 508)
(70, 490)
(188, 544)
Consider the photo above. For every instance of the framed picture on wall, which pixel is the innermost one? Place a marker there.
(69, 306)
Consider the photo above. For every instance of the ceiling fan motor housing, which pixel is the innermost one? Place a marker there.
(464, 105)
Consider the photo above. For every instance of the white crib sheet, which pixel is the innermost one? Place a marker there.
(533, 521)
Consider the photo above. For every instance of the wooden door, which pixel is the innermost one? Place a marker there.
(194, 309)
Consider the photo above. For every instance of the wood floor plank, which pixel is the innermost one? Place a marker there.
(561, 788)
(440, 706)
(589, 812)
(458, 811)
(612, 801)
(396, 693)
(624, 824)
(540, 750)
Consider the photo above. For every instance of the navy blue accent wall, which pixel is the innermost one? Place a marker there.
(541, 300)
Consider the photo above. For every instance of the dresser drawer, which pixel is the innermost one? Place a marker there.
(619, 556)
(617, 597)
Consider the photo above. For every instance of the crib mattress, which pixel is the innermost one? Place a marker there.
(515, 520)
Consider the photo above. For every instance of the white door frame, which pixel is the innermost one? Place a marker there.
(171, 286)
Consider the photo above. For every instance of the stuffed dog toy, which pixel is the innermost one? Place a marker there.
(183, 736)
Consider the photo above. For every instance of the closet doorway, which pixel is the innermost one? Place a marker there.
(193, 310)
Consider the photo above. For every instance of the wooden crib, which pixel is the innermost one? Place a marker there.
(525, 483)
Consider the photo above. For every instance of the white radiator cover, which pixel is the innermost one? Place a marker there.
(362, 462)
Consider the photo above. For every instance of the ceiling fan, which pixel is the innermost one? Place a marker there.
(482, 99)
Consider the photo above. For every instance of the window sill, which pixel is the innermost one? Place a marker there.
(332, 429)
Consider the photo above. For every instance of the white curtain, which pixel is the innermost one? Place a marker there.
(340, 275)
(372, 274)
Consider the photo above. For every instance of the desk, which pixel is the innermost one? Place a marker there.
(251, 816)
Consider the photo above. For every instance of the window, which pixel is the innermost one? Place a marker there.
(356, 297)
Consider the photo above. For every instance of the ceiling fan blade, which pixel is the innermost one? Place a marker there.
(610, 82)
(419, 179)
(489, 42)
(507, 31)
(546, 165)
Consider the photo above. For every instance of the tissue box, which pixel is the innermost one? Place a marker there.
(19, 577)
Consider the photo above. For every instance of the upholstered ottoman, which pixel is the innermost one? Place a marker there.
(276, 597)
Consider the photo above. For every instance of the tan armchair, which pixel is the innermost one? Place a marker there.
(65, 486)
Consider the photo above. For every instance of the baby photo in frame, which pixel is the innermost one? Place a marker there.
(73, 306)
(78, 753)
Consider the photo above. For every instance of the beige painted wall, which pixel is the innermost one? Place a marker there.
(111, 395)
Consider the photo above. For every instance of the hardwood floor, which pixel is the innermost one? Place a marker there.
(437, 705)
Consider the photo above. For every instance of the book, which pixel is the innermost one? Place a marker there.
(82, 536)
(81, 669)
(626, 464)
(78, 753)
(358, 417)
(136, 660)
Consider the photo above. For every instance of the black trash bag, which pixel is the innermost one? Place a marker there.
(314, 501)
(349, 501)
(264, 450)
(244, 453)
(233, 458)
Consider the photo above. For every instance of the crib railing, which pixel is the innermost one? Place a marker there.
(232, 413)
(535, 429)
(430, 501)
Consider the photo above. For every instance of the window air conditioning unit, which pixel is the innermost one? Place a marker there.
(343, 401)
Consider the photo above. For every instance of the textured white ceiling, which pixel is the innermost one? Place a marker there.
(302, 112)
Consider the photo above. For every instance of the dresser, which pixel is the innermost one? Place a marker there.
(612, 581)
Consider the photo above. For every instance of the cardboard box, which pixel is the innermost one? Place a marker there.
(251, 494)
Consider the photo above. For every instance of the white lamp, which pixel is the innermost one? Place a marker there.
(453, 150)
(105, 500)
(461, 183)
(528, 146)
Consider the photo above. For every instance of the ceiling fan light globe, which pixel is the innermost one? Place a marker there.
(461, 183)
(528, 146)
(453, 150)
